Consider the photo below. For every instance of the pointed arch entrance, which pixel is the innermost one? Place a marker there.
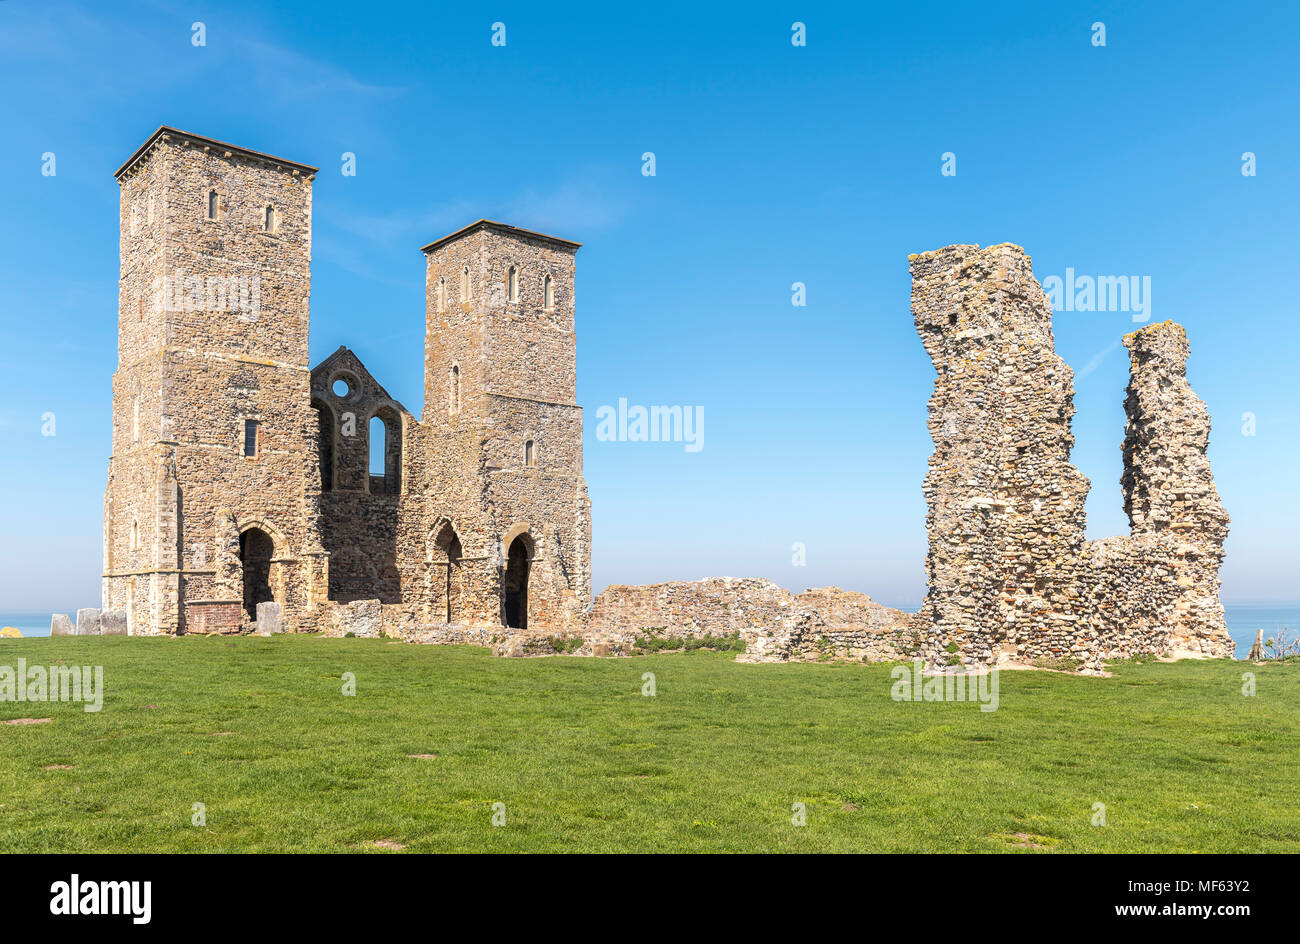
(446, 557)
(515, 582)
(256, 549)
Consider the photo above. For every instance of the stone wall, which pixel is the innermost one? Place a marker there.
(1010, 575)
(775, 624)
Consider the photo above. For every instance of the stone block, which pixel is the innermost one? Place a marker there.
(61, 625)
(269, 618)
(361, 618)
(112, 623)
(88, 621)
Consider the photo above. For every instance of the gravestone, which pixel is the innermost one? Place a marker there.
(268, 618)
(61, 625)
(112, 623)
(88, 622)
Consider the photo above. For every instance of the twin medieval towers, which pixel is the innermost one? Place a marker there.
(240, 474)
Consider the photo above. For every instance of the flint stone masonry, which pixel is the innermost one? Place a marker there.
(240, 474)
(61, 625)
(113, 623)
(88, 622)
(775, 624)
(1011, 578)
(361, 618)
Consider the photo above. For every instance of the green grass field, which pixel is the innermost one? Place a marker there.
(258, 731)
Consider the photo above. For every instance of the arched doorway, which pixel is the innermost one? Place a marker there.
(446, 557)
(255, 552)
(515, 584)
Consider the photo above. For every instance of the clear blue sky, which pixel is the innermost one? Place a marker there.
(775, 164)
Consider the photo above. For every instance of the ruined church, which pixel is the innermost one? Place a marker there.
(241, 475)
(248, 487)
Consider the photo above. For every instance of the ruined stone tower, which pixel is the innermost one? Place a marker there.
(501, 405)
(211, 421)
(1010, 575)
(241, 475)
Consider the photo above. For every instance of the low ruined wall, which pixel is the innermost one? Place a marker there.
(713, 607)
(775, 624)
(849, 625)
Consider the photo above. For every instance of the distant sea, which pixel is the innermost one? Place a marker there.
(1243, 620)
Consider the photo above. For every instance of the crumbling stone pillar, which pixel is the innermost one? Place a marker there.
(1169, 493)
(1005, 505)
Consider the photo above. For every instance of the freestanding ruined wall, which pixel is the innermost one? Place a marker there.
(1010, 575)
(1005, 505)
(775, 624)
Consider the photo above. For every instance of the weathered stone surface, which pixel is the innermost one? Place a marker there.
(61, 625)
(481, 518)
(268, 618)
(1010, 575)
(361, 618)
(112, 623)
(88, 621)
(1257, 647)
(775, 625)
(1169, 493)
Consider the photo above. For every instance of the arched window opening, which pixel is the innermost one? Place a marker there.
(515, 584)
(442, 293)
(464, 284)
(530, 455)
(250, 439)
(385, 453)
(268, 221)
(512, 284)
(453, 390)
(548, 293)
(378, 439)
(212, 204)
(135, 534)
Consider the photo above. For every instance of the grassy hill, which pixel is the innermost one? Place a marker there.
(259, 732)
